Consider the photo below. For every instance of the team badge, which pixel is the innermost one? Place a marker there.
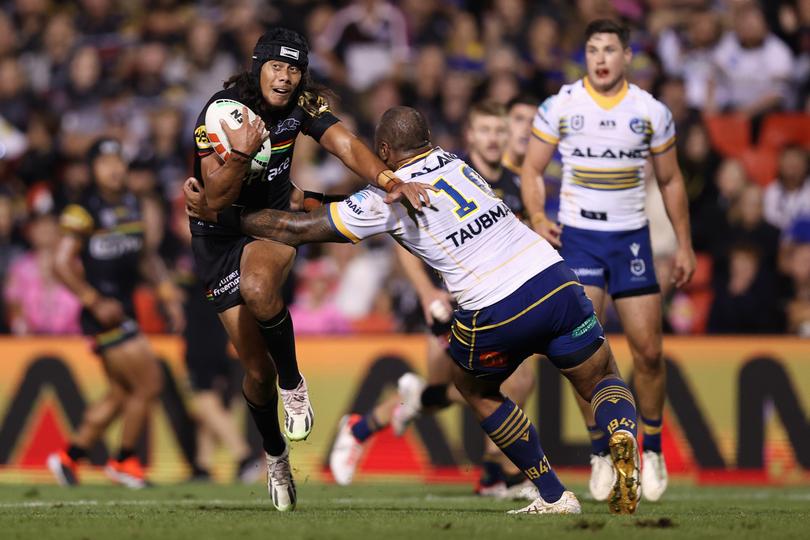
(637, 126)
(637, 266)
(577, 122)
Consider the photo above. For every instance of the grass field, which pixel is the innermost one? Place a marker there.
(366, 512)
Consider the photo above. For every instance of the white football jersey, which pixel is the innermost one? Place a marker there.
(483, 252)
(604, 143)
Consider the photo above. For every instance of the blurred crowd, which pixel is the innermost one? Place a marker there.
(141, 70)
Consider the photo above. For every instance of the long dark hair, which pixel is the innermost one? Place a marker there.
(250, 93)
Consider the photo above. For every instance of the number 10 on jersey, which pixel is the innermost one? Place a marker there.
(464, 207)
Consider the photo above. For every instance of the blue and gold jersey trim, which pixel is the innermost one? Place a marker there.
(337, 224)
(545, 137)
(660, 149)
(607, 179)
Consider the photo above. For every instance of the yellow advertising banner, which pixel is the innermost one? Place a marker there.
(738, 410)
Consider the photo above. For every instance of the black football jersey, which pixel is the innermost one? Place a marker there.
(113, 235)
(508, 188)
(273, 189)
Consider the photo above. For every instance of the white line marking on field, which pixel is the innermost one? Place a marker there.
(135, 502)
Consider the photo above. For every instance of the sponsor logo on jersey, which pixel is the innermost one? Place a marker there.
(493, 359)
(106, 247)
(634, 248)
(289, 52)
(288, 124)
(442, 159)
(577, 122)
(272, 172)
(610, 153)
(479, 225)
(637, 125)
(589, 272)
(607, 124)
(226, 285)
(354, 203)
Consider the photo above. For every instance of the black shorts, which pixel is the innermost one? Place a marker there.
(107, 338)
(206, 342)
(216, 260)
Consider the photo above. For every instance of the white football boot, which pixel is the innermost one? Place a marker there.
(654, 476)
(568, 504)
(280, 483)
(409, 387)
(525, 490)
(602, 477)
(346, 452)
(298, 415)
(626, 490)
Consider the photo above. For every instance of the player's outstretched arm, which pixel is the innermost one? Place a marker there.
(291, 228)
(361, 160)
(673, 192)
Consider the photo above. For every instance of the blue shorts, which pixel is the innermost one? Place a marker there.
(549, 314)
(622, 261)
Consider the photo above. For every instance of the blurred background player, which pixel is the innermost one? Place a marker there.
(210, 368)
(493, 139)
(606, 130)
(102, 256)
(243, 277)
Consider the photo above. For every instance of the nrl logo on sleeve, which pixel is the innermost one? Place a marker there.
(288, 52)
(577, 122)
(201, 137)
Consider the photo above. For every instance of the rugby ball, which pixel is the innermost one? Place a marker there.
(231, 112)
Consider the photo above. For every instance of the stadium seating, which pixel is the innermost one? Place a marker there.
(761, 163)
(730, 134)
(779, 130)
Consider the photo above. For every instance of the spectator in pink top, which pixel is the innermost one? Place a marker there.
(314, 310)
(36, 302)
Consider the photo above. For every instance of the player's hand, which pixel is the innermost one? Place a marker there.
(415, 193)
(196, 203)
(547, 229)
(108, 312)
(248, 137)
(684, 267)
(437, 306)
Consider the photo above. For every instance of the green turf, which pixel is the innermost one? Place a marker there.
(372, 512)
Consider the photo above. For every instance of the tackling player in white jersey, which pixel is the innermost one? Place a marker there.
(516, 298)
(606, 130)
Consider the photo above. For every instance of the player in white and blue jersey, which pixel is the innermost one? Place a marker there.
(606, 130)
(516, 298)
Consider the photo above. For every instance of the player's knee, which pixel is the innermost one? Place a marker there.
(519, 386)
(261, 377)
(261, 296)
(649, 358)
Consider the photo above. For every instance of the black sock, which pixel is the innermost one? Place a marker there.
(266, 419)
(125, 453)
(244, 463)
(76, 452)
(280, 341)
(515, 479)
(435, 395)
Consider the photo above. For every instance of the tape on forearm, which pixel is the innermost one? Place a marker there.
(387, 180)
